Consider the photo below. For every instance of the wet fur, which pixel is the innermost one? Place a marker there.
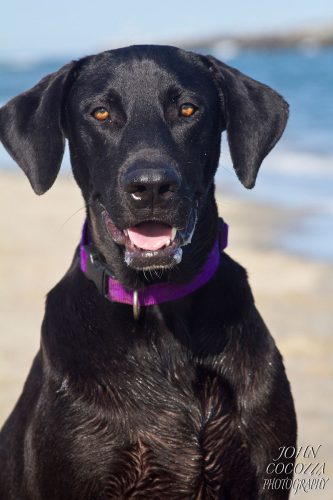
(192, 400)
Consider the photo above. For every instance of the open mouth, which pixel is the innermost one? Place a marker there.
(152, 244)
(151, 235)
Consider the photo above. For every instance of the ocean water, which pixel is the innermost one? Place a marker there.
(298, 173)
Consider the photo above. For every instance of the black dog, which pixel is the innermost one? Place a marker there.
(184, 399)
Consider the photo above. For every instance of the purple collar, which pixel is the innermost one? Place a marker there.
(157, 293)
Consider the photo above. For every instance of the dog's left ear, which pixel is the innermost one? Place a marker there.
(255, 118)
(31, 128)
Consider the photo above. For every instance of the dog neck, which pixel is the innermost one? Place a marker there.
(98, 272)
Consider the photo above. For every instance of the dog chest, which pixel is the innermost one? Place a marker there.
(173, 442)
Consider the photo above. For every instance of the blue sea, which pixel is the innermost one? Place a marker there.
(298, 173)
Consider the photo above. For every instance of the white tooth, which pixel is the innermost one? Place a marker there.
(173, 234)
(125, 232)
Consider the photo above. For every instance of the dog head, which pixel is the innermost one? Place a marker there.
(144, 128)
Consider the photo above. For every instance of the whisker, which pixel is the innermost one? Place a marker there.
(156, 274)
(71, 216)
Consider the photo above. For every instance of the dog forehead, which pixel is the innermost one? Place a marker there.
(139, 69)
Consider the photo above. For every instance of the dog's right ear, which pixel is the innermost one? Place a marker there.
(31, 128)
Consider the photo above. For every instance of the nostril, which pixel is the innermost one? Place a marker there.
(166, 191)
(135, 188)
(136, 191)
(140, 189)
(150, 186)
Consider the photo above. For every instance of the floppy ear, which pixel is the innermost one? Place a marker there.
(31, 129)
(256, 117)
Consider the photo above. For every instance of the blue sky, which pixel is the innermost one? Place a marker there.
(38, 28)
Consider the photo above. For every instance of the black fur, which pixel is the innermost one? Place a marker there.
(192, 400)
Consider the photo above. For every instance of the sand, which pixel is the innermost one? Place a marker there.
(293, 294)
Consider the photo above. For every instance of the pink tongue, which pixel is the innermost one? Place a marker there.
(150, 235)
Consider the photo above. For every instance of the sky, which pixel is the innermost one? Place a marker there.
(39, 28)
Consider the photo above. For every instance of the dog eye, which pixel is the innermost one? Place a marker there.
(187, 110)
(101, 114)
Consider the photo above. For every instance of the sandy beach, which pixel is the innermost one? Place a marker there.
(293, 294)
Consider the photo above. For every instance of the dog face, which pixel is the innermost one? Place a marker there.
(144, 126)
(144, 136)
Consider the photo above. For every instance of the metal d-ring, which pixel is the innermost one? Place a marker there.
(136, 305)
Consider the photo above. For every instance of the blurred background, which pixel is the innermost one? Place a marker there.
(281, 231)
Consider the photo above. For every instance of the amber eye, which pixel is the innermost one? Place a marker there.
(101, 114)
(187, 110)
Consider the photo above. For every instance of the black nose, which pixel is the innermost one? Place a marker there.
(150, 187)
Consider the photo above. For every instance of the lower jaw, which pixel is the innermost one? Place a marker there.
(146, 260)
